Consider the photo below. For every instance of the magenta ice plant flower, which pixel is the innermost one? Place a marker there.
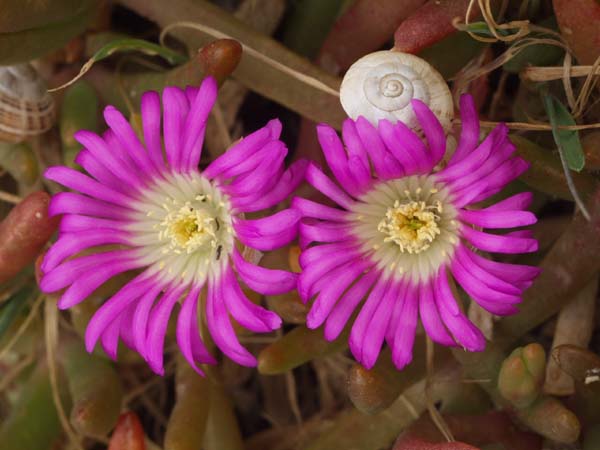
(406, 229)
(146, 209)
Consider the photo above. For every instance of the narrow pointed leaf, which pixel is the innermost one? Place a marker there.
(567, 141)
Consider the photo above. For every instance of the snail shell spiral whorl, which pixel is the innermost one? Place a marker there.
(382, 84)
(26, 108)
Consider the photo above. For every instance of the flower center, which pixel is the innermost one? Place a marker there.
(412, 226)
(183, 227)
(190, 228)
(407, 226)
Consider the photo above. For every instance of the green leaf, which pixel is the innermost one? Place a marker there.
(32, 42)
(482, 29)
(11, 309)
(124, 45)
(567, 141)
(139, 45)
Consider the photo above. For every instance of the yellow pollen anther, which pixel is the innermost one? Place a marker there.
(412, 226)
(189, 229)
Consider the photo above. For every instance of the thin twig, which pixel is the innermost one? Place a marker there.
(521, 26)
(539, 74)
(15, 371)
(15, 337)
(534, 127)
(10, 198)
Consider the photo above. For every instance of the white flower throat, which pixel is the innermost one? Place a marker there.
(407, 226)
(184, 226)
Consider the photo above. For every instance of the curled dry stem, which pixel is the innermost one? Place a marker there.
(522, 27)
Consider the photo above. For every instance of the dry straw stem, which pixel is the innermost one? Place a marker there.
(534, 126)
(10, 198)
(475, 72)
(566, 72)
(574, 326)
(539, 74)
(522, 26)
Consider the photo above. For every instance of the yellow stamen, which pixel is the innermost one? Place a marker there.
(189, 228)
(412, 226)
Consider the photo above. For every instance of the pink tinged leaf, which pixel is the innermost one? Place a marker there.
(429, 24)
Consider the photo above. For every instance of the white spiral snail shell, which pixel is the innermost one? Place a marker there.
(381, 85)
(26, 108)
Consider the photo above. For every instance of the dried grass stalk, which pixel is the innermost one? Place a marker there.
(574, 326)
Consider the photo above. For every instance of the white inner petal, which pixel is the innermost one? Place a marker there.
(408, 226)
(183, 227)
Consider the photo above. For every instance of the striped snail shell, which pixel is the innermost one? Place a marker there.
(381, 85)
(26, 108)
